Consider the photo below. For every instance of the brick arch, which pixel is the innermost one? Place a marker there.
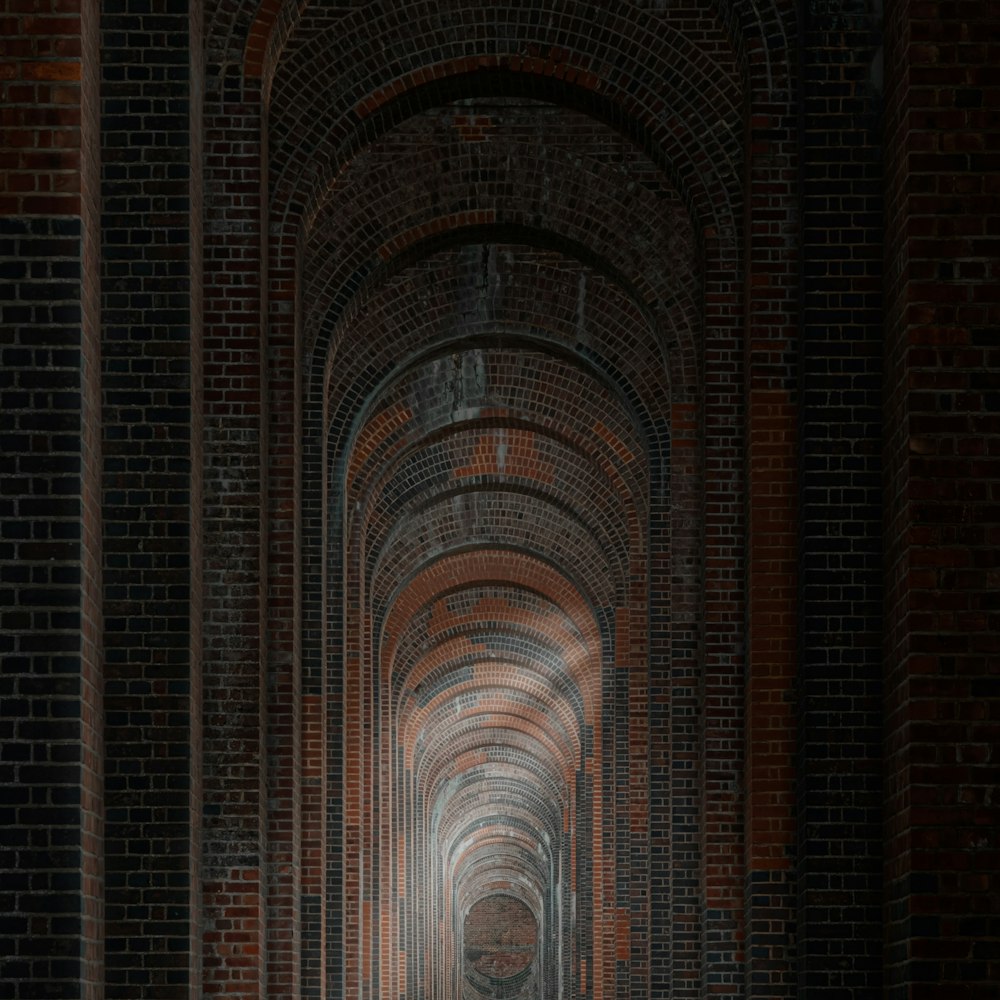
(280, 278)
(470, 732)
(253, 33)
(762, 40)
(519, 664)
(478, 821)
(565, 60)
(482, 823)
(488, 882)
(461, 859)
(473, 568)
(541, 654)
(442, 402)
(479, 864)
(515, 797)
(422, 514)
(540, 528)
(491, 866)
(473, 389)
(465, 847)
(407, 460)
(489, 796)
(536, 178)
(496, 717)
(511, 720)
(458, 612)
(394, 422)
(517, 859)
(533, 295)
(451, 680)
(479, 573)
(518, 760)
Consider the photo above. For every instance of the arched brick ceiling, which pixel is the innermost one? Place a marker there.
(481, 457)
(474, 293)
(480, 888)
(478, 568)
(489, 716)
(252, 34)
(470, 673)
(356, 66)
(481, 870)
(438, 173)
(494, 255)
(483, 509)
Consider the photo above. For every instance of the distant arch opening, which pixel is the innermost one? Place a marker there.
(500, 949)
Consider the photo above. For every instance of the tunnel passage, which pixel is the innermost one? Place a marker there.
(459, 448)
(493, 404)
(491, 269)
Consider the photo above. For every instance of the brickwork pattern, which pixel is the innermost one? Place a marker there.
(235, 772)
(462, 481)
(51, 893)
(942, 702)
(839, 688)
(152, 439)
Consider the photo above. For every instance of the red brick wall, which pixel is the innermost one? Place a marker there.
(500, 937)
(235, 865)
(444, 451)
(770, 450)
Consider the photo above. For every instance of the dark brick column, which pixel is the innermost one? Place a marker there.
(838, 792)
(942, 465)
(151, 127)
(235, 761)
(50, 614)
(771, 399)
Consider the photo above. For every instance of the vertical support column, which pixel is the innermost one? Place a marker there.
(637, 638)
(152, 370)
(942, 419)
(771, 438)
(686, 584)
(722, 750)
(839, 774)
(283, 627)
(235, 554)
(322, 693)
(51, 940)
(660, 952)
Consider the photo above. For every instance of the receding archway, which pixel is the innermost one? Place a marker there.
(500, 947)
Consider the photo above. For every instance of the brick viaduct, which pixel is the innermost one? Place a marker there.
(500, 499)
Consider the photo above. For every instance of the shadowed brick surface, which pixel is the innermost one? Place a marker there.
(152, 424)
(498, 500)
(51, 926)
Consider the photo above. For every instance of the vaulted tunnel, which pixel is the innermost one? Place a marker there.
(490, 417)
(497, 500)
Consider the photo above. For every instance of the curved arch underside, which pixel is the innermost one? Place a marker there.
(504, 256)
(501, 305)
